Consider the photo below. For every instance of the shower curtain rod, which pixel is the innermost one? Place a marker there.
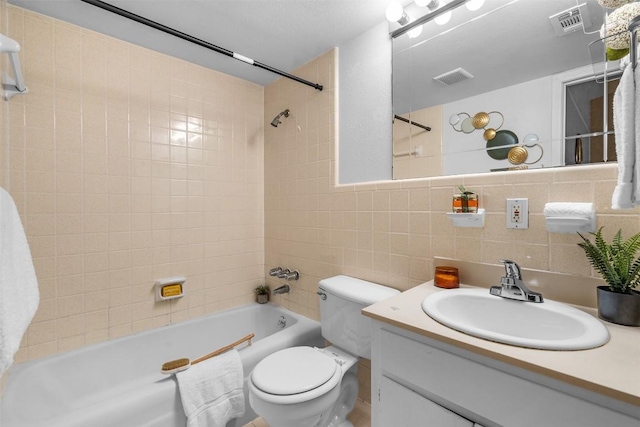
(189, 38)
(411, 122)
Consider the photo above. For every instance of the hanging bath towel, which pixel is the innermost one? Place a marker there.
(19, 295)
(636, 166)
(211, 391)
(624, 119)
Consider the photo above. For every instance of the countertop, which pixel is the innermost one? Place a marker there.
(611, 370)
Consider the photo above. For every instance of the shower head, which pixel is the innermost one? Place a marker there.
(276, 121)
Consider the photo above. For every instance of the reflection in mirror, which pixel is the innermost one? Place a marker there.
(514, 64)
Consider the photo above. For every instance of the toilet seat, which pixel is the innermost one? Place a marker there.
(293, 370)
(295, 375)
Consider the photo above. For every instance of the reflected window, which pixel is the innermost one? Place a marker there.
(587, 138)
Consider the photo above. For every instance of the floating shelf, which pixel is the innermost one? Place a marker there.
(467, 219)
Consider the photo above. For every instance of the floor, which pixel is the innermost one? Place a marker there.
(360, 416)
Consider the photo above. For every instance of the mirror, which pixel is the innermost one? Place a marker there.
(506, 66)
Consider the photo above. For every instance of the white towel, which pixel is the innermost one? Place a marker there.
(19, 295)
(636, 168)
(624, 118)
(568, 209)
(211, 390)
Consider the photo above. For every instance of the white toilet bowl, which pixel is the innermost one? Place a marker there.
(310, 387)
(305, 387)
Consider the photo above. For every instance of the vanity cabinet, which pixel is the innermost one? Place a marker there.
(417, 380)
(401, 406)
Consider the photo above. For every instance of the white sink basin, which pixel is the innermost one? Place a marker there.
(549, 325)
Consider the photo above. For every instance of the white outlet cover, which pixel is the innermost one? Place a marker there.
(518, 213)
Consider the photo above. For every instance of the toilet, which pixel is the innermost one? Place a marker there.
(313, 387)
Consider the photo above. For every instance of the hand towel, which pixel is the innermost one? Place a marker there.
(19, 296)
(211, 391)
(624, 118)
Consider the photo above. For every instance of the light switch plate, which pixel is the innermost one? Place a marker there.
(518, 213)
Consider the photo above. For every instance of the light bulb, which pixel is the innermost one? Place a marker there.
(394, 11)
(443, 18)
(474, 4)
(415, 32)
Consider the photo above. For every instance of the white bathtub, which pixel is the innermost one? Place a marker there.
(118, 383)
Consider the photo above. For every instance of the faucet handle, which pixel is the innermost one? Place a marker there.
(512, 269)
(292, 275)
(283, 273)
(275, 271)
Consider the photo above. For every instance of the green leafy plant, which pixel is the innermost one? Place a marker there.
(615, 261)
(464, 192)
(262, 290)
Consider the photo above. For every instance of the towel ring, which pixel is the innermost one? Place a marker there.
(455, 119)
(539, 158)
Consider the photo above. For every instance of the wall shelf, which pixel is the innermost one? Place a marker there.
(467, 219)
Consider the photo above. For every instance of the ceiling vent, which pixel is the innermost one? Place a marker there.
(453, 76)
(570, 20)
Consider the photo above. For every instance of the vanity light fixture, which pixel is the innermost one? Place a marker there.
(443, 18)
(434, 5)
(396, 13)
(429, 4)
(474, 4)
(415, 32)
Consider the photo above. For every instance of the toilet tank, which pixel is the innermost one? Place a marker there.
(342, 323)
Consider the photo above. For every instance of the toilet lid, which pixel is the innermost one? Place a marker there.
(293, 370)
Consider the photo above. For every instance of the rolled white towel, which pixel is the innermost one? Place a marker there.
(567, 209)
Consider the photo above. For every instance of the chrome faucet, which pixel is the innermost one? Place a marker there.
(275, 271)
(284, 289)
(512, 286)
(285, 274)
(289, 275)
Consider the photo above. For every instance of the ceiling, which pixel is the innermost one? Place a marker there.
(283, 34)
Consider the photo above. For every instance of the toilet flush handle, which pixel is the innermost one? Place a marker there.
(323, 296)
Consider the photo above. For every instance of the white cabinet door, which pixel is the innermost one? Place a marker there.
(402, 407)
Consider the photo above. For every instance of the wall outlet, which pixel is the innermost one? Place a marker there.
(518, 213)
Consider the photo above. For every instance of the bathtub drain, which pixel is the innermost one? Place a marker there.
(282, 322)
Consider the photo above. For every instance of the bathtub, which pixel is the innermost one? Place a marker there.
(118, 383)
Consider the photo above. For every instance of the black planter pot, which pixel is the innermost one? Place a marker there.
(614, 307)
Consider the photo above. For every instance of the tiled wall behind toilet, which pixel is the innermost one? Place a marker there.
(129, 166)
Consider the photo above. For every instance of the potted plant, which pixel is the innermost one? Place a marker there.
(262, 294)
(618, 302)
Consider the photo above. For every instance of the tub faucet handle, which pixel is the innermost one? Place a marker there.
(292, 275)
(283, 273)
(275, 271)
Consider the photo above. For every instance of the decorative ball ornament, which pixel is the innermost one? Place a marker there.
(480, 120)
(517, 155)
(613, 4)
(489, 134)
(617, 25)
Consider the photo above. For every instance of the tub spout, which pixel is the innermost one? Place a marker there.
(284, 289)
